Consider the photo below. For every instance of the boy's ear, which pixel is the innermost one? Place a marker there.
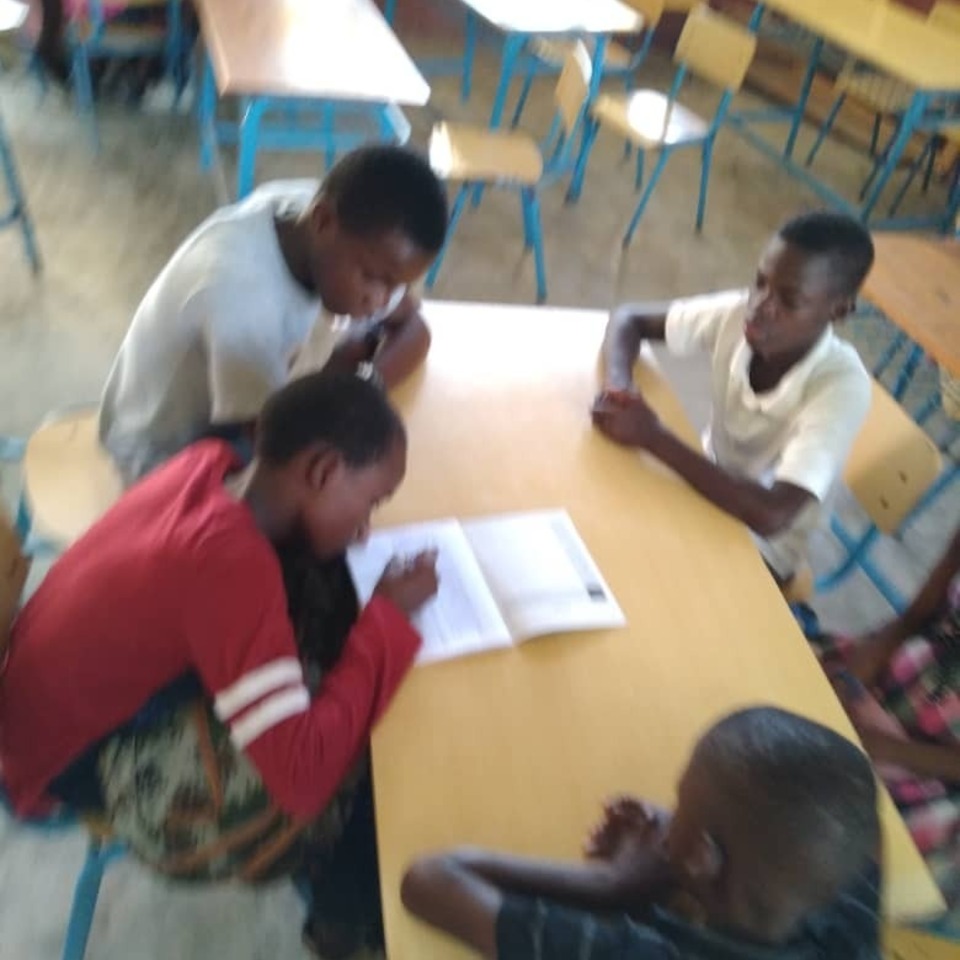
(704, 861)
(323, 216)
(322, 464)
(842, 308)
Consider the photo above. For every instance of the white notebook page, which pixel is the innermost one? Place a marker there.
(463, 617)
(541, 574)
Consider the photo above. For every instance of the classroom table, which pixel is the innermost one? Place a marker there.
(521, 21)
(915, 283)
(516, 749)
(302, 61)
(889, 37)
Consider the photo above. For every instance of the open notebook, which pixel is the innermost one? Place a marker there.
(503, 580)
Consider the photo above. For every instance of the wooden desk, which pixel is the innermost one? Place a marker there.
(516, 749)
(337, 51)
(558, 17)
(519, 20)
(886, 34)
(893, 39)
(915, 282)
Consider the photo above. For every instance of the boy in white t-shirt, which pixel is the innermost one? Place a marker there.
(257, 292)
(788, 395)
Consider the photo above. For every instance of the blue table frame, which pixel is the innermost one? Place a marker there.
(926, 110)
(288, 123)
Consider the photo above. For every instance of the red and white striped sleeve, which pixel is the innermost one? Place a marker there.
(244, 650)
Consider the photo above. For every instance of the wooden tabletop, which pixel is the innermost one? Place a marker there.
(333, 50)
(559, 16)
(886, 34)
(915, 282)
(516, 749)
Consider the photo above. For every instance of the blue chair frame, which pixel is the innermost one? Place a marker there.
(98, 45)
(17, 213)
(557, 146)
(706, 143)
(537, 66)
(100, 854)
(289, 124)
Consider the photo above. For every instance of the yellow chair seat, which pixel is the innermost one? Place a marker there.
(884, 94)
(901, 943)
(556, 51)
(68, 478)
(464, 152)
(649, 120)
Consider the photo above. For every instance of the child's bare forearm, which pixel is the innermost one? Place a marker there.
(402, 349)
(923, 759)
(442, 892)
(932, 598)
(765, 510)
(629, 326)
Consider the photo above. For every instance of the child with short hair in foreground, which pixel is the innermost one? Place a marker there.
(770, 852)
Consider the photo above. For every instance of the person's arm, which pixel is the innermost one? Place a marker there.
(243, 647)
(465, 893)
(873, 652)
(629, 325)
(629, 420)
(403, 343)
(937, 761)
(396, 345)
(462, 892)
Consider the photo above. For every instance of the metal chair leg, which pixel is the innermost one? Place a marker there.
(638, 175)
(645, 198)
(247, 152)
(18, 202)
(590, 131)
(522, 102)
(875, 133)
(531, 203)
(928, 150)
(825, 128)
(469, 50)
(705, 163)
(85, 895)
(83, 91)
(458, 205)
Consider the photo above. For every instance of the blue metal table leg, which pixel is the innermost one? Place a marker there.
(206, 114)
(469, 50)
(801, 107)
(390, 11)
(913, 114)
(512, 45)
(249, 136)
(907, 371)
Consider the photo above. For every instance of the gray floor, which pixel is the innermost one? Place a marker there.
(107, 223)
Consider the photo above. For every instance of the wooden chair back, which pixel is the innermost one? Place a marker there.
(650, 10)
(14, 567)
(945, 14)
(573, 87)
(892, 464)
(715, 48)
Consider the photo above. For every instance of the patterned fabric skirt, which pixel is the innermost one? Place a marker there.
(918, 698)
(173, 787)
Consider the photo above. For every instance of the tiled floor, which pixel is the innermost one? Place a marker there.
(106, 225)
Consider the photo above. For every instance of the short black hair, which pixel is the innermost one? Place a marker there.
(342, 410)
(379, 188)
(844, 241)
(808, 795)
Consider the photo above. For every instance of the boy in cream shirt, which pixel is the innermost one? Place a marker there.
(788, 395)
